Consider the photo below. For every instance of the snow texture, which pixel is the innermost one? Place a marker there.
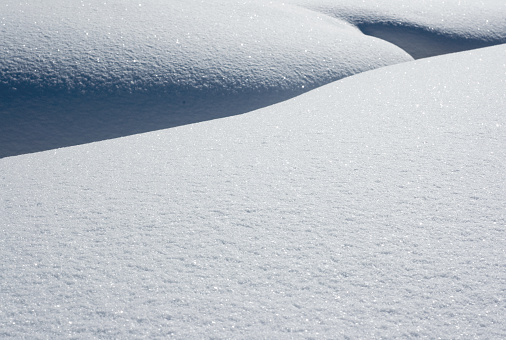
(75, 72)
(372, 207)
(423, 28)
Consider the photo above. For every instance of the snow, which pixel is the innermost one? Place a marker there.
(372, 207)
(423, 28)
(78, 72)
(71, 74)
(369, 207)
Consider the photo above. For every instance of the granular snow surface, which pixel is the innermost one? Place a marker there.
(423, 28)
(76, 72)
(372, 207)
(72, 73)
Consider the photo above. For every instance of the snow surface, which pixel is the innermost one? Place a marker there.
(423, 28)
(75, 72)
(372, 207)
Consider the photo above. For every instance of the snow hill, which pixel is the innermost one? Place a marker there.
(423, 28)
(76, 72)
(73, 73)
(372, 207)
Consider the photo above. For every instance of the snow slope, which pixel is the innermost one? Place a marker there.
(373, 207)
(423, 28)
(75, 72)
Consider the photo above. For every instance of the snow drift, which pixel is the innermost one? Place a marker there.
(76, 72)
(372, 207)
(423, 28)
(73, 72)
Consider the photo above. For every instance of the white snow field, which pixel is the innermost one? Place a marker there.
(372, 207)
(75, 72)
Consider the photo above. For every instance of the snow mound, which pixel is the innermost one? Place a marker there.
(372, 207)
(423, 28)
(74, 72)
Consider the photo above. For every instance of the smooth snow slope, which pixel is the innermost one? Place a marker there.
(373, 207)
(423, 28)
(75, 72)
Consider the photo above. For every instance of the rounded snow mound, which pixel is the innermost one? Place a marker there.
(73, 73)
(423, 28)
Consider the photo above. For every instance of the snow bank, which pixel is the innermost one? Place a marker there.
(72, 73)
(76, 72)
(423, 28)
(372, 207)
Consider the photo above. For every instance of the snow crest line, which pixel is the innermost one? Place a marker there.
(105, 70)
(423, 42)
(423, 29)
(100, 71)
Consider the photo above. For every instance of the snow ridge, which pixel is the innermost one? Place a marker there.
(423, 28)
(73, 73)
(103, 70)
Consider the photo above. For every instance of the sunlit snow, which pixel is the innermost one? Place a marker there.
(370, 207)
(72, 73)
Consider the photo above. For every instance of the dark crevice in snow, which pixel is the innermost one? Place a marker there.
(68, 120)
(423, 42)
